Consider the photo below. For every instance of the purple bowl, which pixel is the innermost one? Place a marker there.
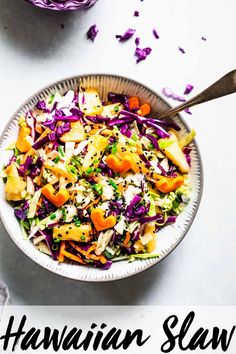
(63, 5)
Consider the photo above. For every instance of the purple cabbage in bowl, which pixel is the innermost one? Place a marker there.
(63, 5)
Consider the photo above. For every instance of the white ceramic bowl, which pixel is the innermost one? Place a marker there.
(168, 238)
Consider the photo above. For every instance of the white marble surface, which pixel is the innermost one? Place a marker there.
(35, 50)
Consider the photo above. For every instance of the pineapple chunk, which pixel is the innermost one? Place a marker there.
(71, 232)
(138, 246)
(112, 110)
(150, 230)
(23, 142)
(90, 103)
(96, 147)
(15, 184)
(76, 134)
(187, 139)
(171, 148)
(147, 242)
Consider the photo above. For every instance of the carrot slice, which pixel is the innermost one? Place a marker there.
(72, 257)
(39, 203)
(87, 254)
(133, 102)
(127, 238)
(61, 256)
(93, 131)
(144, 110)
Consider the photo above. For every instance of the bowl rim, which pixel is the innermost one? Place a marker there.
(201, 174)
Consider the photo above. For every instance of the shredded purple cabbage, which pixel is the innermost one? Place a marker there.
(76, 112)
(187, 150)
(153, 140)
(188, 89)
(135, 210)
(124, 129)
(98, 119)
(127, 35)
(145, 160)
(66, 118)
(105, 169)
(105, 266)
(92, 32)
(40, 143)
(50, 244)
(158, 218)
(135, 235)
(41, 105)
(119, 98)
(24, 168)
(170, 220)
(168, 92)
(20, 214)
(181, 50)
(119, 121)
(137, 41)
(155, 33)
(187, 110)
(150, 122)
(142, 54)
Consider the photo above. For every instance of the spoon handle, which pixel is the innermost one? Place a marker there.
(224, 86)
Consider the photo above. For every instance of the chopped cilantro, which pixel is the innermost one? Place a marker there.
(54, 247)
(134, 137)
(57, 159)
(116, 109)
(63, 210)
(89, 170)
(51, 99)
(113, 184)
(61, 151)
(76, 221)
(16, 152)
(52, 216)
(72, 169)
(75, 160)
(114, 149)
(98, 188)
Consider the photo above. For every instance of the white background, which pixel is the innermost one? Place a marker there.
(35, 50)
